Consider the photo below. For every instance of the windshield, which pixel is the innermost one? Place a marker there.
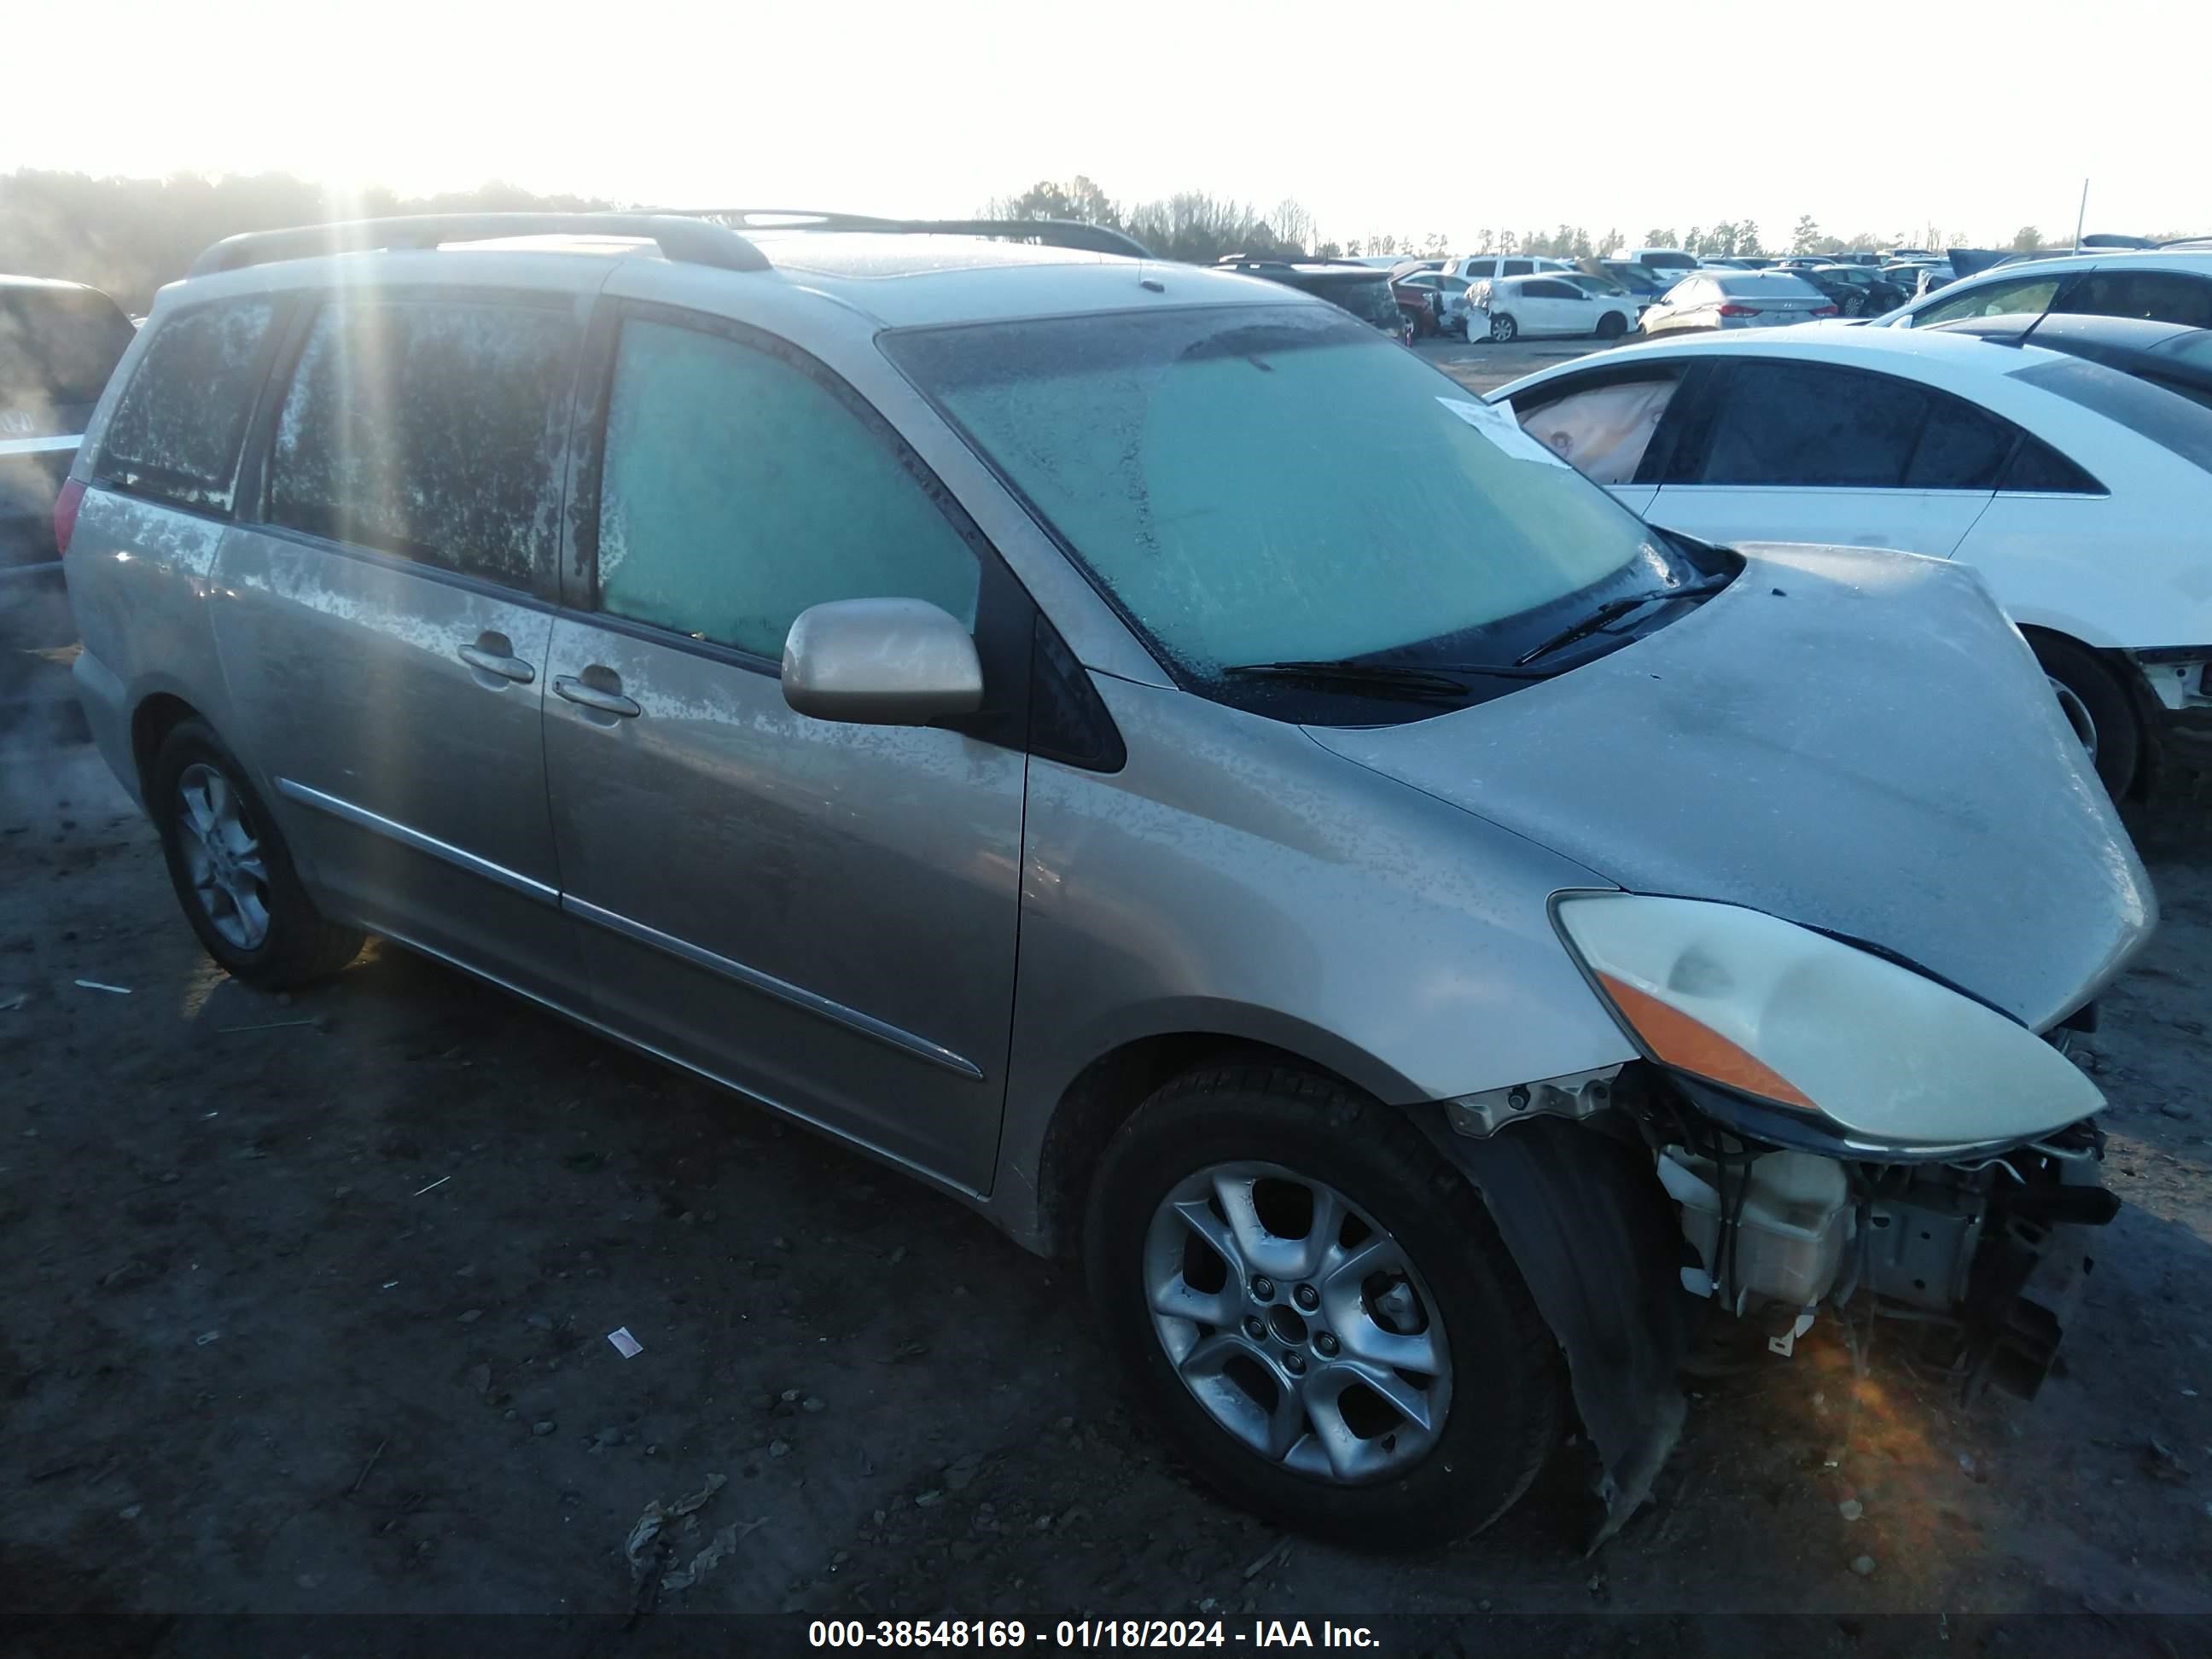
(1261, 483)
(58, 345)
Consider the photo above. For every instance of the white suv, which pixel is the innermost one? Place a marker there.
(2167, 285)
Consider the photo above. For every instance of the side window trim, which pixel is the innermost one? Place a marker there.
(1007, 618)
(283, 318)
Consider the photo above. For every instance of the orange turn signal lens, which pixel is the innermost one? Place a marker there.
(1691, 1046)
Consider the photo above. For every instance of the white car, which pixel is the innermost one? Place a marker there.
(1544, 304)
(2167, 285)
(2080, 493)
(1488, 267)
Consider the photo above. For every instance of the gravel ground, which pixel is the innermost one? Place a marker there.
(308, 1304)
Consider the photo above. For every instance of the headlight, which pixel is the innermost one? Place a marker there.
(1803, 1023)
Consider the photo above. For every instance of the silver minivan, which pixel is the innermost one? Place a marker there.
(1142, 752)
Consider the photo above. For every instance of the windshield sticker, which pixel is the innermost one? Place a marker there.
(1499, 423)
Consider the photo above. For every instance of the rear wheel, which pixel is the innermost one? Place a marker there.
(1854, 305)
(1318, 1310)
(1502, 328)
(2096, 706)
(232, 872)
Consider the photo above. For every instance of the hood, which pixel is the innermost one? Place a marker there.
(1856, 742)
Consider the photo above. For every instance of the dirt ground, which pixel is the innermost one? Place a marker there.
(306, 1306)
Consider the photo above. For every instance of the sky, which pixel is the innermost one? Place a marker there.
(1975, 119)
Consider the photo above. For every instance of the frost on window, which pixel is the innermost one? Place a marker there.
(739, 491)
(435, 430)
(175, 432)
(1252, 484)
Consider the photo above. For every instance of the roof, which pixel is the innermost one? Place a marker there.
(897, 278)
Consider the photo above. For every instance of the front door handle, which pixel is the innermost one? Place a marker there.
(492, 653)
(595, 697)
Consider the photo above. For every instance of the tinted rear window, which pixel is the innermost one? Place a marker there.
(435, 429)
(175, 432)
(2173, 422)
(58, 345)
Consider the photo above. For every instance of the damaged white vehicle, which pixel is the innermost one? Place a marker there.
(1131, 746)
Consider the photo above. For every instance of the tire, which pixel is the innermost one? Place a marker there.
(2096, 705)
(1502, 328)
(1855, 305)
(1444, 1318)
(1612, 325)
(232, 872)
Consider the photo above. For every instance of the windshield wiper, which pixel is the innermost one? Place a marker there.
(1614, 609)
(1386, 678)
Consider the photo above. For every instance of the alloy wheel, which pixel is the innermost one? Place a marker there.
(1298, 1324)
(223, 857)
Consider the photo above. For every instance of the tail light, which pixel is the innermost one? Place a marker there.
(1826, 311)
(71, 496)
(1739, 311)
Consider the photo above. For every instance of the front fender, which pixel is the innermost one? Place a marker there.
(1236, 879)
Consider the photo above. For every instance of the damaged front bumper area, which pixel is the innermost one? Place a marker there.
(1986, 1256)
(1630, 1196)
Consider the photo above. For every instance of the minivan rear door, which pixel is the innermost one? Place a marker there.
(820, 914)
(385, 611)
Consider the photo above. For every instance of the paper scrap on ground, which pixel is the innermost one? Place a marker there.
(113, 990)
(625, 1344)
(1499, 423)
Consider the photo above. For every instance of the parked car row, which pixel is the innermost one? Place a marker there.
(1457, 857)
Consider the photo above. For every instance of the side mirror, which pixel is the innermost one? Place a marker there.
(880, 662)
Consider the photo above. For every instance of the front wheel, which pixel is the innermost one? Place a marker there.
(2096, 707)
(1612, 325)
(1318, 1310)
(1502, 328)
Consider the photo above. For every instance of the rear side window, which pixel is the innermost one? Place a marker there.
(738, 490)
(2038, 469)
(1517, 267)
(1813, 426)
(1808, 425)
(174, 434)
(434, 429)
(2162, 296)
(58, 345)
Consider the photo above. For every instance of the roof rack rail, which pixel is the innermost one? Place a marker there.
(689, 239)
(1050, 233)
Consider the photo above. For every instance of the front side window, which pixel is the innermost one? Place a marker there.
(1257, 484)
(738, 490)
(1603, 431)
(175, 432)
(2159, 296)
(432, 429)
(2027, 294)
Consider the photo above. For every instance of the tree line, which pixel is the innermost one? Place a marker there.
(129, 236)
